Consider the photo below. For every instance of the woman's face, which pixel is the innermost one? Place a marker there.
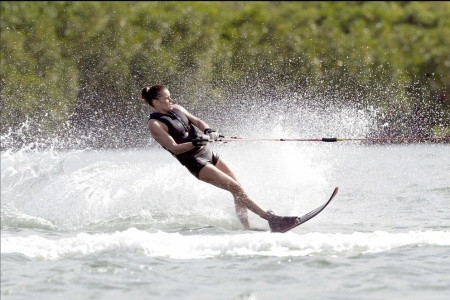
(164, 101)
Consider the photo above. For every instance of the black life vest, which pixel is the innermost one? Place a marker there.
(180, 128)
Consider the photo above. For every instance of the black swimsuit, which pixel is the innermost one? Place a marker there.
(182, 131)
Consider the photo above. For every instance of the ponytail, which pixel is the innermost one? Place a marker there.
(151, 93)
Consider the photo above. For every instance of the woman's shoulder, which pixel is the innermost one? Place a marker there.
(179, 107)
(183, 111)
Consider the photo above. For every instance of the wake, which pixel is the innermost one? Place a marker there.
(178, 246)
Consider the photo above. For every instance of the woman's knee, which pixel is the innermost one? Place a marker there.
(234, 187)
(239, 203)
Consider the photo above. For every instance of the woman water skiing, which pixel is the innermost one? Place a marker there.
(186, 137)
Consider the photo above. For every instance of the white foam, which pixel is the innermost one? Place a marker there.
(177, 246)
(11, 217)
(74, 189)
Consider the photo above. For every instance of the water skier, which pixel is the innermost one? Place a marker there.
(186, 137)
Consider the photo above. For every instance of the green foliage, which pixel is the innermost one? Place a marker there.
(84, 59)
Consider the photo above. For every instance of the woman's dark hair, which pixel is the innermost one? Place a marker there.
(150, 93)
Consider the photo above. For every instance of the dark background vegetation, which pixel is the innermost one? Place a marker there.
(77, 68)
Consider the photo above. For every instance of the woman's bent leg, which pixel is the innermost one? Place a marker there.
(213, 175)
(241, 208)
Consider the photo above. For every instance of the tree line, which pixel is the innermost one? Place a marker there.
(82, 65)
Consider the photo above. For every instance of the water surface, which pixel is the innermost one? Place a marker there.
(134, 223)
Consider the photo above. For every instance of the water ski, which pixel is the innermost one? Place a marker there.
(284, 224)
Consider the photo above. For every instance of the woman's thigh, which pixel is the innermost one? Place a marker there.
(223, 166)
(218, 175)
